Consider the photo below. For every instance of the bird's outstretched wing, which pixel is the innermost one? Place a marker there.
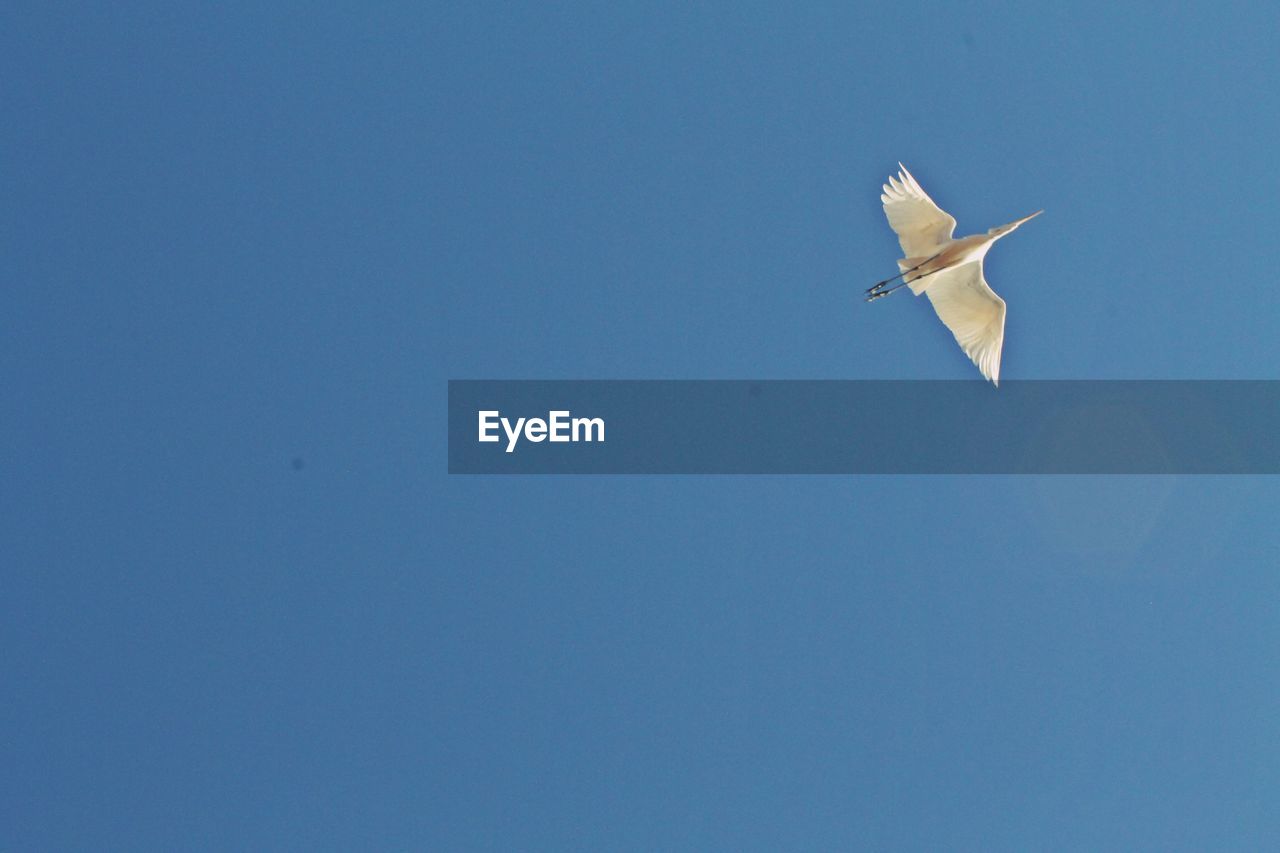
(920, 224)
(968, 306)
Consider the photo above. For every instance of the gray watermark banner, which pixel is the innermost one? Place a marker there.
(863, 427)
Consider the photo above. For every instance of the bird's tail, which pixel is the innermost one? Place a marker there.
(912, 264)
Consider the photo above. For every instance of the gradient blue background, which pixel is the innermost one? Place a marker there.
(242, 605)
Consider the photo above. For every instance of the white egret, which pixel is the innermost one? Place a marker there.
(948, 270)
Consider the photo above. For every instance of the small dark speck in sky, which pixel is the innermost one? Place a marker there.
(298, 463)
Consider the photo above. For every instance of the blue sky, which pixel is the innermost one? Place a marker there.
(243, 604)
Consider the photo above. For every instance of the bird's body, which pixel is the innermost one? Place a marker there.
(948, 270)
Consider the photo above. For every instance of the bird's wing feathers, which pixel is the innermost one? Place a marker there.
(920, 224)
(973, 312)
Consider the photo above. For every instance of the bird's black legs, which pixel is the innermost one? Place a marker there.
(877, 294)
(877, 290)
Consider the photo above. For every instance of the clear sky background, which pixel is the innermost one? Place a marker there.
(242, 605)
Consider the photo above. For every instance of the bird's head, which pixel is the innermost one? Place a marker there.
(1000, 231)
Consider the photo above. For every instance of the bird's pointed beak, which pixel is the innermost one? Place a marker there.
(997, 233)
(1025, 219)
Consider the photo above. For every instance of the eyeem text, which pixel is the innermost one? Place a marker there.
(558, 426)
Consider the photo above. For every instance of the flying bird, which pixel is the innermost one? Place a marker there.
(948, 270)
